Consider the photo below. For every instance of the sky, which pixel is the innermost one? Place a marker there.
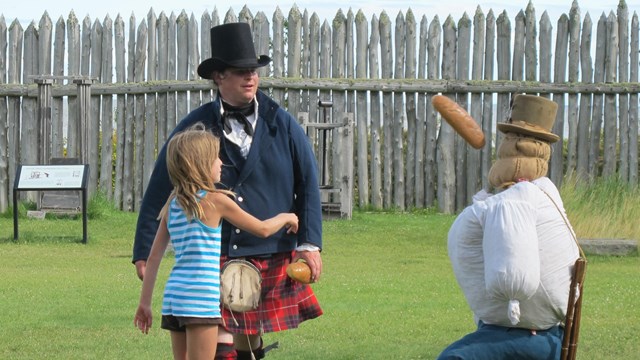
(26, 11)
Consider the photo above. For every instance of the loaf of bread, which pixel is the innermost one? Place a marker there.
(299, 271)
(460, 120)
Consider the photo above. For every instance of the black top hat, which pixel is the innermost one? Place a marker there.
(231, 46)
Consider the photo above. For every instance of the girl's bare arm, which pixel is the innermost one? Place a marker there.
(226, 208)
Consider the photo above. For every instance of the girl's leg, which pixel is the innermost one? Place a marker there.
(179, 345)
(201, 341)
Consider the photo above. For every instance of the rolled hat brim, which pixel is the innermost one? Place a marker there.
(540, 134)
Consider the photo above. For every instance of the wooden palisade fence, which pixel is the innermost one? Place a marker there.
(383, 72)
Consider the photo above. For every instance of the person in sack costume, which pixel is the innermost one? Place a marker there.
(513, 252)
(270, 166)
(191, 220)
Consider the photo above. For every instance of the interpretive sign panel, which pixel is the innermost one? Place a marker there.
(50, 177)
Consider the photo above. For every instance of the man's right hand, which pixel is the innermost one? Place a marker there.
(141, 266)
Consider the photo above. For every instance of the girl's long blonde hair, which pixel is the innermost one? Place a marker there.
(190, 157)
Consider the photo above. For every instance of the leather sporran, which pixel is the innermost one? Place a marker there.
(241, 285)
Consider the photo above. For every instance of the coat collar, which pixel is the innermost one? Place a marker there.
(265, 133)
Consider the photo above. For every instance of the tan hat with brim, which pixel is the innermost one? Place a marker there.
(533, 116)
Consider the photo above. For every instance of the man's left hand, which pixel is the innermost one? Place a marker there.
(314, 261)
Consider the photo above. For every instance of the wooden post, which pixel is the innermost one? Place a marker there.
(346, 167)
(84, 116)
(44, 119)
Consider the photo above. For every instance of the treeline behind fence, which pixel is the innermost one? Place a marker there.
(118, 88)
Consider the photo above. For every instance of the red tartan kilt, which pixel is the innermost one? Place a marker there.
(285, 303)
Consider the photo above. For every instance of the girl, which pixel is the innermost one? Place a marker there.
(192, 219)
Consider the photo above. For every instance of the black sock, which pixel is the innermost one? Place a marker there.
(226, 351)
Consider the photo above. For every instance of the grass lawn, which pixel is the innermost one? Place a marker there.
(388, 292)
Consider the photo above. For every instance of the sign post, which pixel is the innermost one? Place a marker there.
(51, 177)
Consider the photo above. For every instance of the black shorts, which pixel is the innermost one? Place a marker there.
(179, 323)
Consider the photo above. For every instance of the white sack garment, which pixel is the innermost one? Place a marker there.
(556, 251)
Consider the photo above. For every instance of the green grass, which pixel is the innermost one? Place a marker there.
(606, 208)
(387, 291)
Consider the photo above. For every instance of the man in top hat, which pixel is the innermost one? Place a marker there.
(513, 252)
(269, 165)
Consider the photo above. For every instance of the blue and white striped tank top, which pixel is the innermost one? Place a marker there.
(193, 287)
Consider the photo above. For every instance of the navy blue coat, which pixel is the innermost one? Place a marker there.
(279, 175)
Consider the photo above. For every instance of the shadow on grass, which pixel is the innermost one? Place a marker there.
(33, 238)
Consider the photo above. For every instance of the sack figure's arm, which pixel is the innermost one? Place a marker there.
(511, 257)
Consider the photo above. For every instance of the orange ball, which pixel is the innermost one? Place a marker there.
(299, 271)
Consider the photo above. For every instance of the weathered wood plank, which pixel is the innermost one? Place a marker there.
(411, 180)
(338, 66)
(139, 179)
(421, 110)
(546, 50)
(4, 123)
(531, 45)
(128, 179)
(384, 85)
(194, 60)
(28, 126)
(162, 36)
(622, 66)
(107, 116)
(519, 47)
(462, 59)
(434, 45)
(313, 68)
(503, 57)
(487, 104)
(376, 117)
(120, 76)
(572, 104)
(261, 39)
(386, 69)
(93, 122)
(278, 56)
(610, 101)
(151, 103)
(325, 72)
(349, 59)
(14, 72)
(294, 54)
(182, 62)
(560, 64)
(476, 106)
(304, 62)
(362, 130)
(172, 50)
(45, 34)
(399, 117)
(595, 162)
(584, 117)
(58, 130)
(73, 69)
(446, 150)
(633, 100)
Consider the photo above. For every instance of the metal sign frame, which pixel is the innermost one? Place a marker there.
(51, 177)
